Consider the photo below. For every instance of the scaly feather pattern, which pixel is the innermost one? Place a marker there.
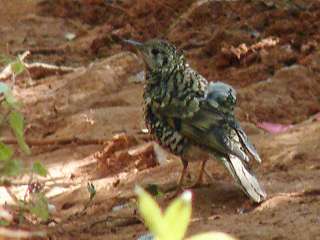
(183, 110)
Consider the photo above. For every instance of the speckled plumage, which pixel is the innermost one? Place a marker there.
(175, 89)
(184, 111)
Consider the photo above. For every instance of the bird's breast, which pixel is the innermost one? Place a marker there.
(165, 135)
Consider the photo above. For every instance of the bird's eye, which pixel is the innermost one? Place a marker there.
(154, 51)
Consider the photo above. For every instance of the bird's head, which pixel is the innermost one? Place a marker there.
(158, 54)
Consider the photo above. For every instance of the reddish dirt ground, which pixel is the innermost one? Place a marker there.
(85, 125)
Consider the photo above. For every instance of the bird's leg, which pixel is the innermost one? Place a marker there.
(179, 188)
(199, 180)
(208, 175)
(185, 166)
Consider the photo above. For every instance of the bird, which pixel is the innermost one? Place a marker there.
(194, 118)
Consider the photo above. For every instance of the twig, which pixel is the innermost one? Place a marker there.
(116, 221)
(35, 70)
(49, 67)
(66, 141)
(12, 195)
(48, 182)
(7, 182)
(29, 182)
(61, 141)
(17, 234)
(24, 55)
(43, 51)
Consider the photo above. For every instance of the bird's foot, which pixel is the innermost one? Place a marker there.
(247, 207)
(199, 184)
(174, 193)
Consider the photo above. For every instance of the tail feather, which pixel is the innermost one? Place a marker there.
(245, 178)
(246, 143)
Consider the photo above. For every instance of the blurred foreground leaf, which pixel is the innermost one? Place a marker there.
(173, 224)
(18, 67)
(16, 123)
(10, 99)
(5, 59)
(5, 152)
(4, 223)
(40, 206)
(11, 168)
(211, 236)
(4, 88)
(39, 169)
(151, 213)
(178, 215)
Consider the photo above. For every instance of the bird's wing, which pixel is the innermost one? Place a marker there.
(213, 124)
(212, 129)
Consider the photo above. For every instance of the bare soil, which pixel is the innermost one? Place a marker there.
(86, 125)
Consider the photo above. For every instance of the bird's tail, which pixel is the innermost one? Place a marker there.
(245, 178)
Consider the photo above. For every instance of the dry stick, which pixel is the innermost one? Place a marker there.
(44, 51)
(115, 221)
(48, 182)
(47, 66)
(18, 234)
(31, 67)
(27, 190)
(66, 141)
(12, 195)
(8, 72)
(61, 141)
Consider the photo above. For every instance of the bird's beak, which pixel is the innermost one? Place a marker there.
(141, 48)
(136, 44)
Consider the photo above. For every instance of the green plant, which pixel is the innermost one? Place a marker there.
(16, 64)
(171, 224)
(92, 191)
(10, 116)
(10, 167)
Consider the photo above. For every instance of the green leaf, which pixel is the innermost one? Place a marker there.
(16, 123)
(17, 67)
(4, 88)
(151, 213)
(5, 152)
(12, 102)
(10, 99)
(211, 236)
(177, 216)
(91, 190)
(11, 168)
(4, 223)
(40, 207)
(5, 59)
(39, 169)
